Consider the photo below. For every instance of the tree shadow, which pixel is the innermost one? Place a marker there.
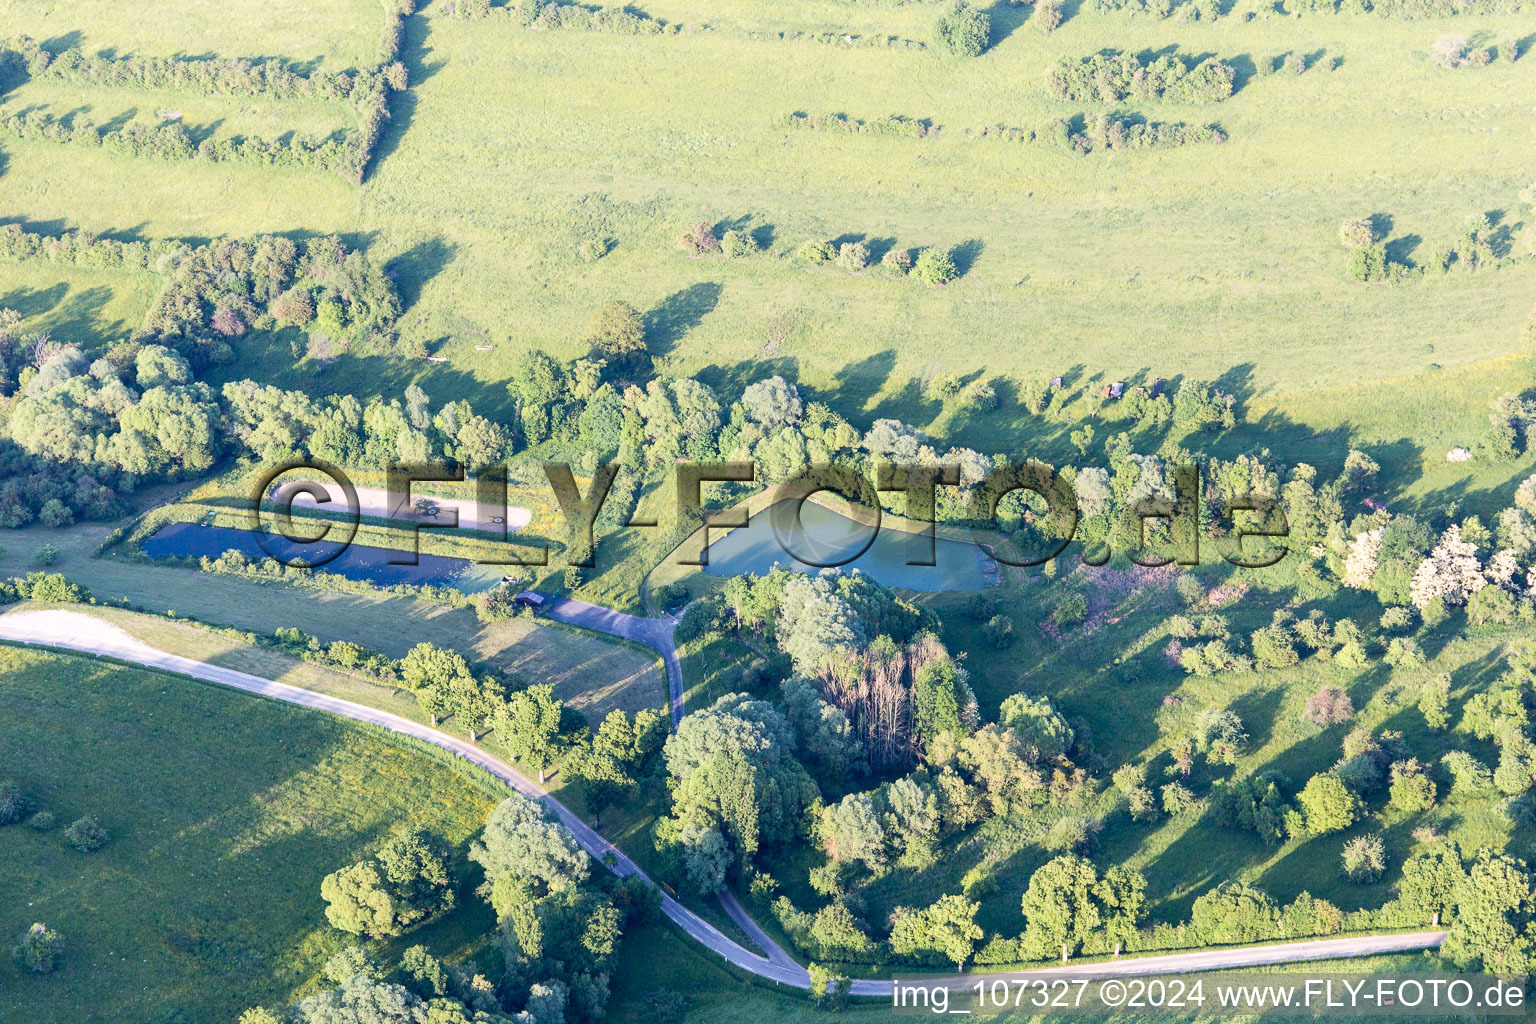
(417, 265)
(1006, 17)
(679, 313)
(966, 254)
(402, 105)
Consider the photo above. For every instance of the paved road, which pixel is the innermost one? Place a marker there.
(653, 633)
(79, 632)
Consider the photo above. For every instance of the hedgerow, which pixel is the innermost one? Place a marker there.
(366, 90)
(1112, 77)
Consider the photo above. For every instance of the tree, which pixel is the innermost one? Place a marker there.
(852, 832)
(1430, 883)
(706, 857)
(1037, 724)
(946, 929)
(1330, 706)
(617, 334)
(1412, 789)
(358, 901)
(1365, 859)
(86, 834)
(427, 664)
(1327, 805)
(913, 818)
(39, 950)
(530, 723)
(523, 840)
(1434, 702)
(1489, 931)
(1234, 913)
(1060, 909)
(472, 704)
(405, 883)
(962, 30)
(1357, 233)
(934, 267)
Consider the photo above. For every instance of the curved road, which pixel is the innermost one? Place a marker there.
(75, 631)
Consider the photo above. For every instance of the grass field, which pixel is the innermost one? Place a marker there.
(225, 812)
(514, 147)
(334, 34)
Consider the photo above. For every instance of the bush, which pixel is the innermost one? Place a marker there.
(999, 631)
(934, 267)
(962, 30)
(896, 262)
(42, 821)
(86, 834)
(853, 256)
(13, 803)
(39, 949)
(817, 252)
(45, 555)
(1070, 610)
(1456, 52)
(1365, 859)
(738, 245)
(1046, 16)
(699, 240)
(1330, 706)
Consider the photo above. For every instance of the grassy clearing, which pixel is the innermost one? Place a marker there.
(202, 116)
(225, 813)
(334, 34)
(75, 305)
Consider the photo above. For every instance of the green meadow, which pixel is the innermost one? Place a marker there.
(224, 812)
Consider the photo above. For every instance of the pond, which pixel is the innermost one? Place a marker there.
(357, 562)
(827, 536)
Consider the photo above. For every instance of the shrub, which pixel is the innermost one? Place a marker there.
(1357, 233)
(13, 803)
(896, 262)
(1365, 859)
(86, 834)
(39, 949)
(1456, 52)
(1070, 610)
(1046, 16)
(1330, 706)
(42, 821)
(817, 252)
(853, 256)
(962, 30)
(934, 267)
(45, 555)
(592, 250)
(699, 240)
(738, 245)
(999, 631)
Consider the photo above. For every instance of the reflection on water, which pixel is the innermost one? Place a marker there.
(357, 562)
(825, 536)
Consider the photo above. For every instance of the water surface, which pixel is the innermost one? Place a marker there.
(825, 536)
(357, 562)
